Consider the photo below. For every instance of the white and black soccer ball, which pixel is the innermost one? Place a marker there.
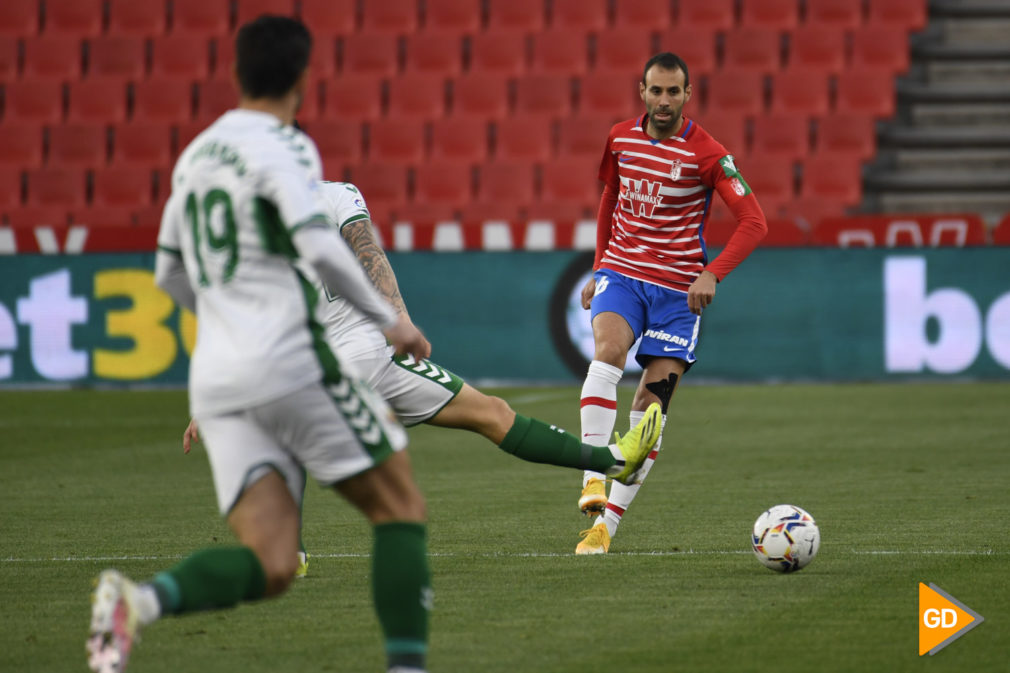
(785, 538)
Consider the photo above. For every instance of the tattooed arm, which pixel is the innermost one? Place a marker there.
(360, 238)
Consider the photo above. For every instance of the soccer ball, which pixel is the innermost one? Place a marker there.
(786, 538)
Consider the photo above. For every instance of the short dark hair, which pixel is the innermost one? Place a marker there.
(667, 61)
(271, 52)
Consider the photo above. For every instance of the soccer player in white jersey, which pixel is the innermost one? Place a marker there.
(420, 391)
(652, 275)
(270, 395)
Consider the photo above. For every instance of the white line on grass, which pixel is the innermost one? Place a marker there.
(680, 552)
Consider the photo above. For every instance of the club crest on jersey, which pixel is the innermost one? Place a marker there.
(675, 169)
(738, 187)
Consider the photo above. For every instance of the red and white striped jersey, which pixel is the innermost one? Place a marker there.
(664, 190)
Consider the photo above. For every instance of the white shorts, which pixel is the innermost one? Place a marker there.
(416, 390)
(331, 431)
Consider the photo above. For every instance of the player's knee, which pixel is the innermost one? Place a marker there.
(498, 420)
(611, 353)
(279, 562)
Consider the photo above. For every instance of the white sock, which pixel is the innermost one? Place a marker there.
(145, 599)
(599, 408)
(621, 495)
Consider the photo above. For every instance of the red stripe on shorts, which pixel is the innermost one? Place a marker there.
(598, 402)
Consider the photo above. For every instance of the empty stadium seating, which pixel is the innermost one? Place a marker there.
(517, 94)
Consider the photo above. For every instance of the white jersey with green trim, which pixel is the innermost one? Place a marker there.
(346, 328)
(239, 191)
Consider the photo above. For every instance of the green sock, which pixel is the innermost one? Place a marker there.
(538, 442)
(401, 586)
(210, 579)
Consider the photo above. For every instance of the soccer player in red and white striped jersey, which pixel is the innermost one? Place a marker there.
(652, 274)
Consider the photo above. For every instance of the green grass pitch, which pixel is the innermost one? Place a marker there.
(909, 484)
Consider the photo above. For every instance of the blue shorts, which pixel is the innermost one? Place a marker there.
(658, 314)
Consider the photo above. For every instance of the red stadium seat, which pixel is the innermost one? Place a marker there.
(775, 14)
(727, 128)
(624, 50)
(247, 10)
(833, 179)
(580, 16)
(29, 217)
(784, 233)
(54, 186)
(119, 56)
(339, 142)
(696, 47)
(509, 183)
(392, 17)
(461, 140)
(524, 139)
(398, 143)
(160, 99)
(560, 52)
(906, 14)
(184, 134)
(122, 186)
(416, 96)
(476, 214)
(818, 48)
(19, 18)
(381, 184)
(215, 97)
(21, 143)
(443, 183)
(501, 52)
(354, 97)
(434, 53)
(838, 14)
(200, 17)
(329, 18)
(10, 186)
(9, 58)
(370, 54)
(136, 18)
(800, 91)
(884, 49)
(143, 145)
(642, 14)
(781, 135)
(543, 95)
(847, 135)
(736, 91)
(180, 56)
(452, 17)
(31, 101)
(752, 49)
(480, 95)
(866, 92)
(222, 49)
(99, 99)
(103, 216)
(149, 216)
(571, 180)
(323, 60)
(77, 18)
(610, 94)
(56, 57)
(584, 136)
(708, 14)
(78, 145)
(525, 15)
(1001, 233)
(770, 178)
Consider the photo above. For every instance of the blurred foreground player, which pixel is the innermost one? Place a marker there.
(271, 398)
(652, 276)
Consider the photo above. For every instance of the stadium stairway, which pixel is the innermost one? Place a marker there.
(949, 148)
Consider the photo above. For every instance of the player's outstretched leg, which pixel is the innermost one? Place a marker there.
(638, 443)
(598, 412)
